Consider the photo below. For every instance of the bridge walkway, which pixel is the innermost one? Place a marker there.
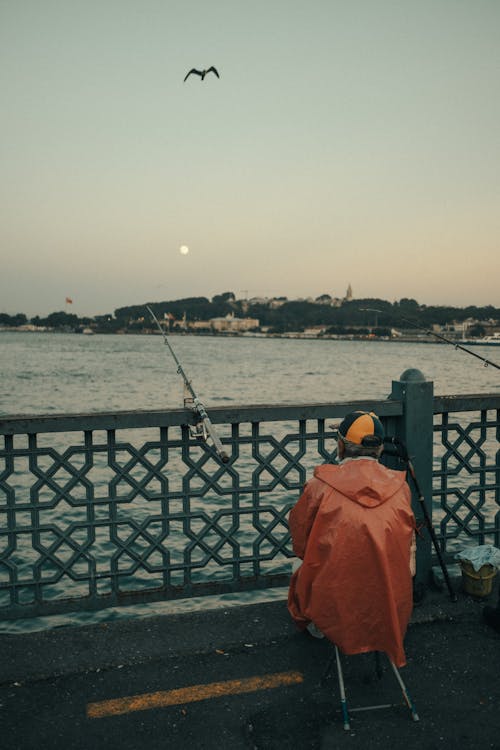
(243, 677)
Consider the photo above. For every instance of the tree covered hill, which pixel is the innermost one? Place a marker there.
(295, 315)
(277, 315)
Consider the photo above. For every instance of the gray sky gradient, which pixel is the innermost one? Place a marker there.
(344, 142)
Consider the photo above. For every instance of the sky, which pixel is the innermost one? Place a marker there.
(344, 143)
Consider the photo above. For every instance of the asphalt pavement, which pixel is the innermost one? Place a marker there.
(244, 677)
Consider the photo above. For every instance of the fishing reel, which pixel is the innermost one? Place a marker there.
(398, 448)
(198, 431)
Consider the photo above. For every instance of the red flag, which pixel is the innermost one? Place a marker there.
(69, 301)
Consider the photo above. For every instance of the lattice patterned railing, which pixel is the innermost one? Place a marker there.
(466, 475)
(105, 509)
(97, 510)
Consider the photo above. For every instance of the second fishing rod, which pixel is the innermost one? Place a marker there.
(457, 345)
(398, 449)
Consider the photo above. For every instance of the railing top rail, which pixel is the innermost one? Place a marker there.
(466, 402)
(42, 423)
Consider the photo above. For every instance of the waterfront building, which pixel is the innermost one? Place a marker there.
(229, 323)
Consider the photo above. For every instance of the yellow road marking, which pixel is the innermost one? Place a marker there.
(146, 701)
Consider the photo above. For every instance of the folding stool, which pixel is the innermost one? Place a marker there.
(343, 700)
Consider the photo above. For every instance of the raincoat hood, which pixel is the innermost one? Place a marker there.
(362, 480)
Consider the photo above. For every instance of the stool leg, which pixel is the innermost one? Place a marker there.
(406, 694)
(378, 666)
(343, 702)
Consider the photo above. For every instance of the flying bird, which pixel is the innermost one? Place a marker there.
(202, 73)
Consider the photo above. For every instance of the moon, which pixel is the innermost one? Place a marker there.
(183, 249)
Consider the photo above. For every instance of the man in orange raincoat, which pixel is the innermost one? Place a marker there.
(353, 528)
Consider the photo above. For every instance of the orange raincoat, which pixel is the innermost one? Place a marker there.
(353, 529)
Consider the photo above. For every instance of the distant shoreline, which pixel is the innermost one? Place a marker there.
(427, 339)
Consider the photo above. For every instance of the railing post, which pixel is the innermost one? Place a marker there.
(415, 429)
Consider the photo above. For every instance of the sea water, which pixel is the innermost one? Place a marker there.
(49, 373)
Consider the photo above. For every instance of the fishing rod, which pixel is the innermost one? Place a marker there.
(428, 331)
(204, 428)
(402, 453)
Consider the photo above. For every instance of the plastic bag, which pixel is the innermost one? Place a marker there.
(484, 554)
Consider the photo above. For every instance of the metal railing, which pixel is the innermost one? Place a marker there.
(100, 510)
(466, 471)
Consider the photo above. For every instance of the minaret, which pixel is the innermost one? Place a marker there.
(348, 294)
